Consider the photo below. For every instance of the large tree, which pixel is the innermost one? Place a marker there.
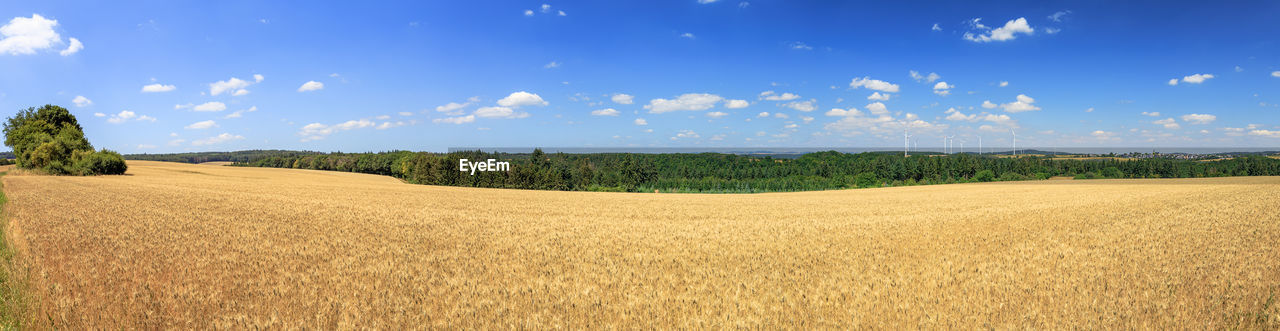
(50, 139)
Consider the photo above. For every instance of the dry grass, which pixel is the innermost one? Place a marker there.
(190, 246)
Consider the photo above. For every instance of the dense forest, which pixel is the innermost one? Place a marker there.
(712, 172)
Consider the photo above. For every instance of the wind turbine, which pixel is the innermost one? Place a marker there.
(979, 145)
(906, 142)
(1015, 141)
(949, 142)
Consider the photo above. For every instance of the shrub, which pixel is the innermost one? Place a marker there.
(102, 162)
(50, 139)
(1012, 176)
(1043, 175)
(984, 176)
(866, 179)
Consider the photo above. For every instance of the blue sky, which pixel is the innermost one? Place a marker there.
(164, 76)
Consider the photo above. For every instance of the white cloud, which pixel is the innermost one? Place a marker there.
(1265, 133)
(878, 97)
(1024, 103)
(201, 125)
(82, 101)
(311, 85)
(240, 92)
(499, 112)
(99, 115)
(1052, 30)
(239, 113)
(622, 98)
(405, 113)
(717, 114)
(873, 84)
(528, 12)
(801, 46)
(1196, 78)
(877, 108)
(685, 102)
(1057, 17)
(931, 77)
(1239, 69)
(1152, 114)
(605, 112)
(837, 112)
(452, 107)
(1005, 33)
(257, 78)
(382, 117)
(546, 8)
(805, 106)
(1090, 110)
(1004, 83)
(125, 116)
(27, 35)
(641, 121)
(560, 12)
(317, 131)
(388, 125)
(942, 88)
(1173, 82)
(736, 104)
(1168, 123)
(233, 85)
(1199, 118)
(551, 65)
(75, 46)
(520, 99)
(456, 120)
(1275, 74)
(688, 35)
(936, 27)
(210, 106)
(686, 134)
(155, 88)
(781, 115)
(146, 146)
(1104, 135)
(763, 114)
(956, 115)
(769, 95)
(218, 139)
(988, 105)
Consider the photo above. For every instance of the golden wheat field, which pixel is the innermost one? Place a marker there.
(201, 246)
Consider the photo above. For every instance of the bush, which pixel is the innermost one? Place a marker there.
(1088, 175)
(1011, 176)
(102, 162)
(50, 139)
(1043, 175)
(984, 176)
(1112, 172)
(865, 180)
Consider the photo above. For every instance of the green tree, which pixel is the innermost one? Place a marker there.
(985, 176)
(51, 140)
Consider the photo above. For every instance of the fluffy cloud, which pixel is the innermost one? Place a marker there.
(207, 106)
(1152, 114)
(499, 112)
(388, 125)
(202, 125)
(218, 139)
(452, 107)
(1057, 17)
(805, 106)
(736, 104)
(685, 102)
(521, 99)
(878, 97)
(763, 114)
(605, 112)
(873, 84)
(837, 112)
(456, 120)
(717, 114)
(622, 98)
(1004, 83)
(1275, 74)
(125, 116)
(686, 134)
(27, 35)
(75, 46)
(931, 77)
(641, 121)
(1104, 135)
(239, 113)
(877, 108)
(82, 101)
(1196, 78)
(769, 95)
(688, 35)
(1173, 82)
(1024, 103)
(1265, 133)
(956, 115)
(155, 88)
(1005, 33)
(988, 105)
(234, 85)
(936, 27)
(311, 86)
(317, 131)
(942, 88)
(1199, 118)
(1168, 123)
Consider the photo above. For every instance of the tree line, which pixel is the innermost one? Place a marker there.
(731, 173)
